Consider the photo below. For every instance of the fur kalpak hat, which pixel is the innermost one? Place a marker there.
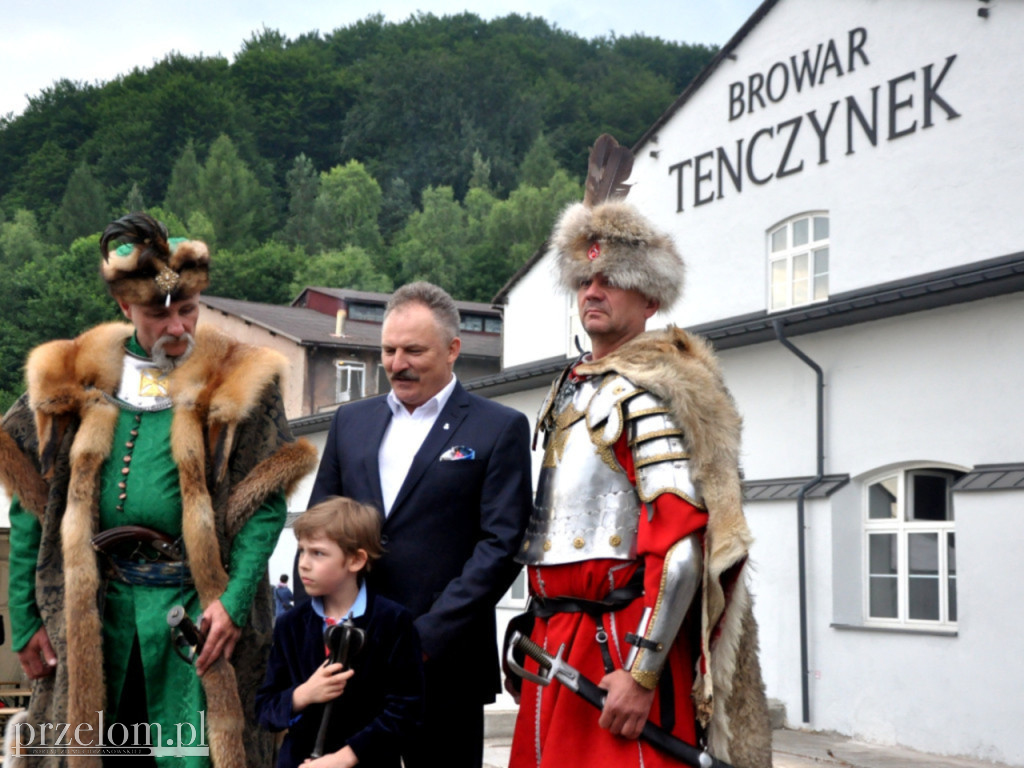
(146, 267)
(607, 235)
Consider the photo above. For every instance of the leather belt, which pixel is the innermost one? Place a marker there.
(149, 543)
(142, 556)
(616, 600)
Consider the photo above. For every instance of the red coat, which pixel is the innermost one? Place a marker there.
(557, 728)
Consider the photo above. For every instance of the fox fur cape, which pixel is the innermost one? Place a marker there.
(728, 692)
(231, 442)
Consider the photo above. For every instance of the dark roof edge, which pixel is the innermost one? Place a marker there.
(358, 297)
(248, 318)
(992, 477)
(704, 74)
(305, 425)
(518, 377)
(947, 287)
(788, 487)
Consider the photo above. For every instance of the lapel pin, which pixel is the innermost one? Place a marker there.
(446, 425)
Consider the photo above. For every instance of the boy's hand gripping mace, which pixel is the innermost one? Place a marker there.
(343, 642)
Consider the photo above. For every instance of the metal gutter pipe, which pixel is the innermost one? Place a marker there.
(801, 544)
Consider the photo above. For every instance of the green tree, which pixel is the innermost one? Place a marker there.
(539, 164)
(297, 95)
(230, 195)
(346, 209)
(134, 201)
(65, 293)
(38, 148)
(83, 210)
(20, 243)
(175, 226)
(413, 100)
(510, 231)
(53, 296)
(396, 207)
(353, 268)
(182, 197)
(481, 176)
(303, 187)
(432, 246)
(264, 274)
(199, 227)
(148, 115)
(40, 181)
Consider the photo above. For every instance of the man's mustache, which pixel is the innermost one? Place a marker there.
(164, 361)
(406, 375)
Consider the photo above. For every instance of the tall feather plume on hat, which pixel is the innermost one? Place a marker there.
(141, 265)
(604, 234)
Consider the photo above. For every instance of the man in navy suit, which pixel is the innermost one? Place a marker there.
(450, 472)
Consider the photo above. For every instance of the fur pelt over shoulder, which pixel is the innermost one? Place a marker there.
(681, 369)
(230, 440)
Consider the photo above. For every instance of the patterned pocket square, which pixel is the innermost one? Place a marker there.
(458, 453)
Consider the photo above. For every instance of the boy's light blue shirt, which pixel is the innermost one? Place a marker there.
(358, 607)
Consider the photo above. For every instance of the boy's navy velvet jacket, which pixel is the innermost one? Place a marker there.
(382, 703)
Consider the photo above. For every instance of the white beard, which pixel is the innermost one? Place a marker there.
(165, 362)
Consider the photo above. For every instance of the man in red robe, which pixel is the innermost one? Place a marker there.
(637, 544)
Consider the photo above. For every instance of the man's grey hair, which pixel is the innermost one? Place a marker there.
(433, 298)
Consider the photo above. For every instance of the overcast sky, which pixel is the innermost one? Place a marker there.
(42, 41)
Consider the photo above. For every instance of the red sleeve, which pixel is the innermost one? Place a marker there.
(673, 519)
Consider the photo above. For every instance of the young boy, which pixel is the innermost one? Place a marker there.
(378, 700)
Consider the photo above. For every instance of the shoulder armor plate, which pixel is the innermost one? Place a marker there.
(604, 414)
(659, 451)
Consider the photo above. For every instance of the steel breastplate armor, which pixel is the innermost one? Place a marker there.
(585, 507)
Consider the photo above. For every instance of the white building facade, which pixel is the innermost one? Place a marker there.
(847, 176)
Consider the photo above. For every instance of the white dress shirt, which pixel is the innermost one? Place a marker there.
(403, 438)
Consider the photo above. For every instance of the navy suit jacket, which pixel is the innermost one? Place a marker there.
(453, 530)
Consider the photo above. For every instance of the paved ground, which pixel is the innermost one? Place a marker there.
(807, 749)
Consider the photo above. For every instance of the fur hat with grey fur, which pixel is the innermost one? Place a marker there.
(614, 239)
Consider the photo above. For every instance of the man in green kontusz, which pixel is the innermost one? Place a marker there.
(148, 463)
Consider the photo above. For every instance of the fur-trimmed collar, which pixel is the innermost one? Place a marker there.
(222, 374)
(223, 380)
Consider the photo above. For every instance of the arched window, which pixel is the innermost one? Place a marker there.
(798, 261)
(910, 547)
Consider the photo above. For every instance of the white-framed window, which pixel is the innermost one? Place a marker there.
(798, 261)
(351, 381)
(383, 384)
(910, 548)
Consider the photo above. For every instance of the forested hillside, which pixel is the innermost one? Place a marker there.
(376, 154)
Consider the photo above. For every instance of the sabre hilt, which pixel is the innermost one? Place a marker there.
(556, 668)
(344, 641)
(185, 634)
